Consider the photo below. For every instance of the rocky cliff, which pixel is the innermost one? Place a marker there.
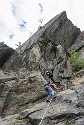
(5, 53)
(22, 77)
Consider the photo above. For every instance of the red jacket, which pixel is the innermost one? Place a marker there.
(52, 85)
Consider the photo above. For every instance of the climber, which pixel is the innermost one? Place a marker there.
(50, 86)
(49, 78)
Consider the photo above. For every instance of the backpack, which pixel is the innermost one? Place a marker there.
(49, 74)
(45, 85)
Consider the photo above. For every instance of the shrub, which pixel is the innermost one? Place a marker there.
(1, 43)
(76, 62)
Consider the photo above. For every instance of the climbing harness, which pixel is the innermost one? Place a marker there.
(46, 111)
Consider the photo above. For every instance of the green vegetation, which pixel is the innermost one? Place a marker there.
(2, 43)
(19, 45)
(70, 122)
(49, 44)
(8, 70)
(76, 62)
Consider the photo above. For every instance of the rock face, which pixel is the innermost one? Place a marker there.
(17, 94)
(25, 88)
(6, 82)
(67, 105)
(5, 53)
(78, 45)
(59, 30)
(36, 54)
(12, 120)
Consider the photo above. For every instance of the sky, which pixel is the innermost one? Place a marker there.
(19, 19)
